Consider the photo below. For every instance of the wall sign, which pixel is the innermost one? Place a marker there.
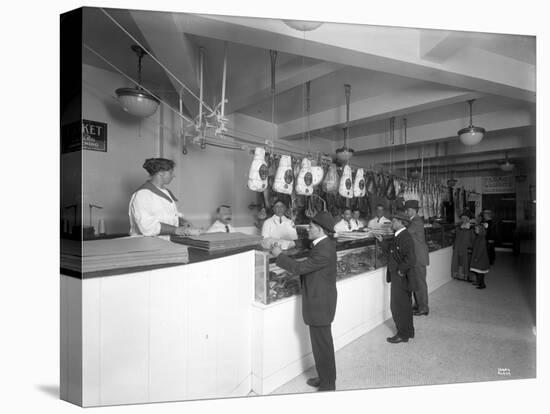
(498, 184)
(88, 135)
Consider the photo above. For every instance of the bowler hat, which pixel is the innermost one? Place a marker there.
(401, 216)
(324, 220)
(412, 204)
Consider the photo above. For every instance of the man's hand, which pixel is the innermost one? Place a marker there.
(400, 274)
(276, 250)
(378, 237)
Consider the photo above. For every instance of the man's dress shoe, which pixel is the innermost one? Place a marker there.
(396, 339)
(423, 313)
(313, 382)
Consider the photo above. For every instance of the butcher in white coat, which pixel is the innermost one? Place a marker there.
(223, 222)
(346, 224)
(279, 226)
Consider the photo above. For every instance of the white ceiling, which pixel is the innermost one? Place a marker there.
(424, 75)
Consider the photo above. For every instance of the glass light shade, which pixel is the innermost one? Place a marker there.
(301, 25)
(344, 154)
(507, 166)
(137, 102)
(471, 135)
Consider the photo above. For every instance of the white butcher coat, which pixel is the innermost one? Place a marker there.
(274, 228)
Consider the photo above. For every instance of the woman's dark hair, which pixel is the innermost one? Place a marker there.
(155, 165)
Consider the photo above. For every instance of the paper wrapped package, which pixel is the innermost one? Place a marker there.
(304, 182)
(330, 183)
(359, 189)
(284, 177)
(346, 187)
(257, 176)
(318, 174)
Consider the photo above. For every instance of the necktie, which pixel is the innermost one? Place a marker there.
(378, 220)
(349, 225)
(280, 220)
(226, 228)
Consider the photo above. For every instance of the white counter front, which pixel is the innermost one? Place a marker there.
(194, 331)
(281, 346)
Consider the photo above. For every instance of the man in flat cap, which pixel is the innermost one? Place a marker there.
(318, 283)
(400, 273)
(416, 230)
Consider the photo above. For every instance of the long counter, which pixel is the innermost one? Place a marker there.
(202, 329)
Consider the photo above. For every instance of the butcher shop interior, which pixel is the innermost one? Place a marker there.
(257, 126)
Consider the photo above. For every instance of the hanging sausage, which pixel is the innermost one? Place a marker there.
(257, 176)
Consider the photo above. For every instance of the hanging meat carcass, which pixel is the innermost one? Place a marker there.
(390, 190)
(370, 186)
(284, 177)
(382, 185)
(258, 173)
(346, 187)
(330, 183)
(359, 189)
(304, 182)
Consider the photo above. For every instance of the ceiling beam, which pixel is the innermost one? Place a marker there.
(395, 103)
(446, 129)
(285, 80)
(173, 49)
(391, 50)
(439, 45)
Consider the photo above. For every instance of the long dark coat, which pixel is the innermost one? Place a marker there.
(318, 277)
(480, 256)
(416, 230)
(401, 257)
(460, 263)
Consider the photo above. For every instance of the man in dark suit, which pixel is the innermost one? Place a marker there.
(416, 230)
(400, 273)
(318, 280)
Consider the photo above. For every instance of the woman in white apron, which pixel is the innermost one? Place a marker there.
(153, 210)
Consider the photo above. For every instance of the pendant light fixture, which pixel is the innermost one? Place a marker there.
(137, 101)
(302, 25)
(507, 166)
(471, 135)
(344, 154)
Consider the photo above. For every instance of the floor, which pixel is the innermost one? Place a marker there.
(470, 335)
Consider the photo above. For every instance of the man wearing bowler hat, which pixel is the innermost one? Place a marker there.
(400, 273)
(416, 230)
(318, 282)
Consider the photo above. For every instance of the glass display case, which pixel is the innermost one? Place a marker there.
(353, 258)
(434, 237)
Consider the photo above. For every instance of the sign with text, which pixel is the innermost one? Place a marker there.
(88, 135)
(498, 184)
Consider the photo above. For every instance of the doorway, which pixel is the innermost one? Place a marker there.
(503, 207)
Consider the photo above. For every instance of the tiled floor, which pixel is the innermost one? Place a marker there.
(469, 335)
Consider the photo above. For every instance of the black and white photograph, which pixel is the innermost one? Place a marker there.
(276, 208)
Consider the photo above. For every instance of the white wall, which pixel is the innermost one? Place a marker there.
(204, 178)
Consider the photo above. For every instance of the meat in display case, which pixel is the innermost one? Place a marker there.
(274, 283)
(354, 258)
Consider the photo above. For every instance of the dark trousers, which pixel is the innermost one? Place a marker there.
(323, 353)
(491, 251)
(401, 308)
(421, 294)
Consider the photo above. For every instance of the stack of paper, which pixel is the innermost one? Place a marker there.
(353, 235)
(97, 255)
(213, 242)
